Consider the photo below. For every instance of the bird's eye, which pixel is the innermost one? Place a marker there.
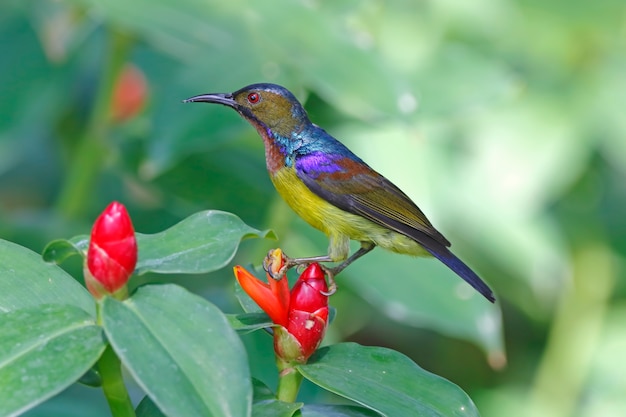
(253, 98)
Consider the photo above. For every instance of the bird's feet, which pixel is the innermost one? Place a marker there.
(332, 285)
(275, 264)
(275, 258)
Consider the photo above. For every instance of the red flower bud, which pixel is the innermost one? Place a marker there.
(308, 309)
(112, 252)
(311, 291)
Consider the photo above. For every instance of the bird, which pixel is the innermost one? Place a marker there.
(334, 190)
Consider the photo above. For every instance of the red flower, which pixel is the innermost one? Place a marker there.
(300, 316)
(308, 309)
(112, 253)
(129, 94)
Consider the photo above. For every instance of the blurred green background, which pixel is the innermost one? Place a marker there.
(503, 120)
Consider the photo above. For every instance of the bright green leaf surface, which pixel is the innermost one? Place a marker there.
(319, 410)
(181, 350)
(203, 242)
(43, 350)
(26, 281)
(385, 381)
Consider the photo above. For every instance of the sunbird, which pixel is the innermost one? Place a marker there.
(332, 189)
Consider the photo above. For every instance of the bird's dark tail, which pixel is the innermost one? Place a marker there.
(462, 270)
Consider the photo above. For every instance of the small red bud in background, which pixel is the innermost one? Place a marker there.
(129, 94)
(112, 253)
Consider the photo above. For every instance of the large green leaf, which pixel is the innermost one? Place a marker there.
(26, 281)
(385, 381)
(203, 242)
(181, 350)
(43, 350)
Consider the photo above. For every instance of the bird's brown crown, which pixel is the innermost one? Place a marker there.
(273, 106)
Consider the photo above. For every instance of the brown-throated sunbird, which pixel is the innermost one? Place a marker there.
(332, 188)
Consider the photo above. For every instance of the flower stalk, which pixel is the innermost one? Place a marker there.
(110, 369)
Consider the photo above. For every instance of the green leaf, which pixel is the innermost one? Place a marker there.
(249, 322)
(266, 405)
(336, 410)
(203, 242)
(26, 281)
(261, 392)
(181, 350)
(59, 250)
(385, 381)
(91, 378)
(43, 350)
(147, 408)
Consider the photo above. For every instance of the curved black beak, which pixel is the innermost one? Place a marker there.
(225, 99)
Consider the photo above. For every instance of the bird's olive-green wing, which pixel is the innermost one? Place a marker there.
(356, 188)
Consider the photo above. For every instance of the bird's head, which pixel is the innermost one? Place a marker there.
(265, 106)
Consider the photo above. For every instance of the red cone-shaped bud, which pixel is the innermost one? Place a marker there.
(310, 291)
(112, 253)
(308, 310)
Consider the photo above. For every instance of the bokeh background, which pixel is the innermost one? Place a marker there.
(504, 120)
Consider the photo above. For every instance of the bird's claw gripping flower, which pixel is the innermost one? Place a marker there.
(274, 264)
(112, 253)
(300, 315)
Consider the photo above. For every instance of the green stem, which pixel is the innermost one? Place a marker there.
(110, 368)
(88, 159)
(574, 334)
(289, 380)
